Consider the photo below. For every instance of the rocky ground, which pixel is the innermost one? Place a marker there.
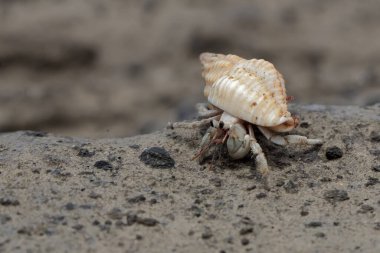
(145, 194)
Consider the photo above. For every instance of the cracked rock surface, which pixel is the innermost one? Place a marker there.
(63, 194)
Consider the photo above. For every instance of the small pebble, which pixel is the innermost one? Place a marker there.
(291, 187)
(9, 201)
(313, 224)
(335, 195)
(333, 153)
(83, 152)
(157, 157)
(261, 195)
(137, 199)
(372, 181)
(149, 222)
(244, 241)
(366, 209)
(104, 165)
(246, 230)
(320, 235)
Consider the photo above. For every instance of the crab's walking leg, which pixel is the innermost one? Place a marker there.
(288, 139)
(205, 112)
(194, 124)
(261, 161)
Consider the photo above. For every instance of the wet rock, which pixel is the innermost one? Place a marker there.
(333, 153)
(9, 201)
(103, 165)
(157, 157)
(372, 181)
(335, 195)
(137, 199)
(83, 152)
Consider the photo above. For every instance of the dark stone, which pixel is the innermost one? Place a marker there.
(244, 241)
(333, 153)
(104, 165)
(372, 181)
(291, 187)
(246, 230)
(78, 227)
(137, 199)
(376, 168)
(69, 206)
(9, 201)
(366, 209)
(304, 213)
(4, 219)
(36, 133)
(320, 235)
(335, 195)
(313, 224)
(94, 195)
(157, 157)
(261, 195)
(375, 137)
(150, 222)
(377, 226)
(207, 234)
(139, 237)
(83, 152)
(217, 182)
(304, 125)
(115, 214)
(134, 146)
(131, 218)
(252, 187)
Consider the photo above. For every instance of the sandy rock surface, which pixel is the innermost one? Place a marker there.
(145, 194)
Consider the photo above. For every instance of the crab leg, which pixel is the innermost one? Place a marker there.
(261, 161)
(287, 139)
(205, 112)
(194, 124)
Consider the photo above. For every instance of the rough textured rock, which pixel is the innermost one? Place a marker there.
(57, 200)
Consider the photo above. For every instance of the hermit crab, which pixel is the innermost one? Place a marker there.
(243, 93)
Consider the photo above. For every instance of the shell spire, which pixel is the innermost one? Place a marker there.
(252, 90)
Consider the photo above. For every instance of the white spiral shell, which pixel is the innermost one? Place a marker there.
(252, 90)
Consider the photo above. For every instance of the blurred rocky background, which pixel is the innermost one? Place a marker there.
(119, 68)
